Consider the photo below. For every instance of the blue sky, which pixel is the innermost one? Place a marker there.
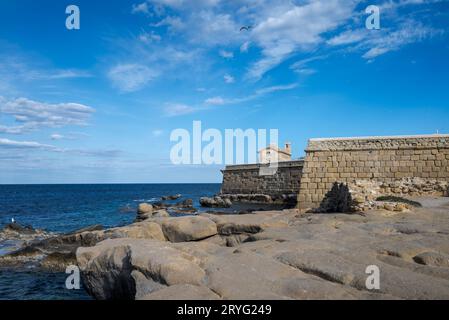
(97, 105)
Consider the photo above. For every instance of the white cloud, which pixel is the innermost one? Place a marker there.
(7, 143)
(228, 78)
(32, 115)
(174, 24)
(177, 109)
(301, 66)
(280, 29)
(393, 5)
(141, 8)
(203, 27)
(131, 77)
(17, 68)
(296, 28)
(56, 136)
(407, 33)
(68, 136)
(306, 71)
(245, 46)
(272, 89)
(67, 74)
(157, 132)
(348, 37)
(149, 37)
(226, 54)
(33, 145)
(375, 52)
(257, 94)
(215, 101)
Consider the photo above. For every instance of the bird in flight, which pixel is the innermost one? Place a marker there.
(247, 28)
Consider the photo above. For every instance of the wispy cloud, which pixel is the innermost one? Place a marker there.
(228, 78)
(16, 66)
(284, 29)
(226, 54)
(56, 136)
(7, 143)
(33, 145)
(409, 32)
(245, 46)
(296, 28)
(178, 109)
(157, 132)
(302, 66)
(141, 8)
(131, 77)
(149, 37)
(217, 101)
(32, 115)
(68, 136)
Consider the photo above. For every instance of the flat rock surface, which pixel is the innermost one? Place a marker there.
(279, 255)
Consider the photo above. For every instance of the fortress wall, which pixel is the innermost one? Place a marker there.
(382, 159)
(246, 179)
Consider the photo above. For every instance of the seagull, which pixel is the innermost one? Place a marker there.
(13, 220)
(246, 28)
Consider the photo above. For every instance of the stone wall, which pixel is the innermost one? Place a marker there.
(382, 159)
(246, 179)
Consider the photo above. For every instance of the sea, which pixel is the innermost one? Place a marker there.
(65, 208)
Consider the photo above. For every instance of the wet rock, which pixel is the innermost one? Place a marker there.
(16, 231)
(58, 261)
(188, 203)
(171, 197)
(54, 253)
(95, 227)
(215, 202)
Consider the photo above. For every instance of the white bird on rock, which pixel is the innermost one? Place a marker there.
(13, 220)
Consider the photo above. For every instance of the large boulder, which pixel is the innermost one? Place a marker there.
(171, 197)
(146, 211)
(144, 208)
(109, 269)
(140, 230)
(280, 255)
(215, 202)
(183, 229)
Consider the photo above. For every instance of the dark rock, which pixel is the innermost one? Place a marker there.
(171, 197)
(95, 227)
(160, 205)
(188, 203)
(58, 261)
(215, 202)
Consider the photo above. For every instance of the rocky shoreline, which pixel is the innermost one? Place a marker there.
(284, 254)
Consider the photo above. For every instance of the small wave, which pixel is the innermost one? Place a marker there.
(147, 200)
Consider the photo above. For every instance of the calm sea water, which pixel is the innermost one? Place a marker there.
(64, 208)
